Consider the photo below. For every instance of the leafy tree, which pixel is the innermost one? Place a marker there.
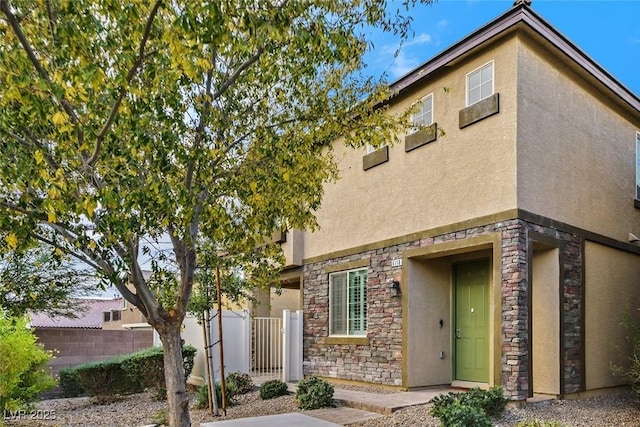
(40, 281)
(22, 376)
(207, 124)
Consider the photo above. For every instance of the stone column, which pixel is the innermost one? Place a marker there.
(515, 334)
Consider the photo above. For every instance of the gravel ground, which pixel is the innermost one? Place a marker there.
(142, 409)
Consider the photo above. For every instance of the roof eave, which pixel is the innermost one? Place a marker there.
(514, 16)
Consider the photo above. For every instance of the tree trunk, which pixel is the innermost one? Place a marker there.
(177, 399)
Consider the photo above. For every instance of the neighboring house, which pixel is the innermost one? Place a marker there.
(494, 245)
(86, 339)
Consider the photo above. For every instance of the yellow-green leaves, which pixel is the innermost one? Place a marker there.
(38, 156)
(12, 240)
(59, 118)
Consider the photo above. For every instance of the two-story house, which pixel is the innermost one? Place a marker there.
(493, 245)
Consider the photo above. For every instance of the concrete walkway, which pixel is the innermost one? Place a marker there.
(356, 406)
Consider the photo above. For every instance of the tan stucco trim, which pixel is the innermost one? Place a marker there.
(492, 241)
(348, 265)
(291, 275)
(450, 228)
(346, 340)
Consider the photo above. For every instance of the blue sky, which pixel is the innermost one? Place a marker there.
(606, 30)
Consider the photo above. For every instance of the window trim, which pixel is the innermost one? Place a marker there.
(415, 129)
(493, 81)
(348, 334)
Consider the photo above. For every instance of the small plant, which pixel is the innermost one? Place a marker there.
(202, 397)
(491, 401)
(160, 418)
(230, 393)
(461, 415)
(272, 389)
(538, 423)
(631, 370)
(242, 382)
(314, 393)
(472, 408)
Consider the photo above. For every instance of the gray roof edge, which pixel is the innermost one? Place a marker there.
(510, 18)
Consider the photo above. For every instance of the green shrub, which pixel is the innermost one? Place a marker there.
(242, 382)
(125, 374)
(146, 367)
(106, 378)
(272, 389)
(22, 365)
(231, 392)
(314, 393)
(461, 415)
(202, 396)
(538, 423)
(70, 383)
(491, 401)
(455, 408)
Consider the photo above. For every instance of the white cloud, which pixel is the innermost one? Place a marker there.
(404, 60)
(421, 38)
(443, 23)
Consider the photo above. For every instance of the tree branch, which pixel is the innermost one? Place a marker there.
(15, 25)
(201, 124)
(233, 77)
(123, 90)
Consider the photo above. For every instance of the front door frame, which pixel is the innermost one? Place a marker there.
(462, 249)
(454, 310)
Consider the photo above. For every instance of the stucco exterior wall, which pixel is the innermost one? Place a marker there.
(466, 173)
(429, 287)
(576, 149)
(612, 286)
(545, 289)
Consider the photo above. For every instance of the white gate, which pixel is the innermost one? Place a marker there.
(276, 347)
(266, 347)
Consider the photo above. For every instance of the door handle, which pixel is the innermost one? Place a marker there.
(458, 333)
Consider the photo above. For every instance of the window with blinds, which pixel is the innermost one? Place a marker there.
(348, 303)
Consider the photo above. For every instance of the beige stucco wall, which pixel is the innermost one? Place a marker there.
(612, 284)
(465, 174)
(576, 155)
(289, 299)
(429, 288)
(546, 321)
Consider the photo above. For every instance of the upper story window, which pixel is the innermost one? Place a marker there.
(348, 303)
(480, 84)
(637, 165)
(424, 113)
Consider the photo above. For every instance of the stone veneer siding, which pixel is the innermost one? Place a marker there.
(381, 360)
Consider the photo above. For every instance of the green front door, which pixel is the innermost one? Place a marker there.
(472, 321)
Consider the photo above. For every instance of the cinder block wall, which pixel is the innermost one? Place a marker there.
(74, 346)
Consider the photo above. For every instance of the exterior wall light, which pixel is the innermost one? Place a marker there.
(395, 287)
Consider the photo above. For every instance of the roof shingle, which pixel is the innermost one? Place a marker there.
(91, 318)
